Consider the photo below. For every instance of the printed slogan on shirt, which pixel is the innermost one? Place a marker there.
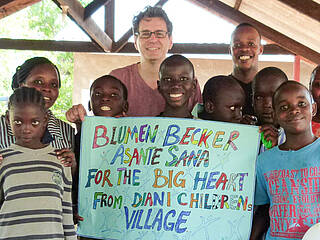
(295, 194)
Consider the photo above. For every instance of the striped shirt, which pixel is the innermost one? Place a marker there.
(60, 134)
(35, 195)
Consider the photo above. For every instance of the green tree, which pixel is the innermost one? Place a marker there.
(40, 21)
(46, 19)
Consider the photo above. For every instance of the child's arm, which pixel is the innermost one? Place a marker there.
(261, 222)
(67, 215)
(76, 115)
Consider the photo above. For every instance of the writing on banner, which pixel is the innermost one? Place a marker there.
(165, 177)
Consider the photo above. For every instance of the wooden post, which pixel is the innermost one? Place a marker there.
(296, 68)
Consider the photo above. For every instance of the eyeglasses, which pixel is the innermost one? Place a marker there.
(147, 34)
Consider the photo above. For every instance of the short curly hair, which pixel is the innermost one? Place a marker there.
(151, 12)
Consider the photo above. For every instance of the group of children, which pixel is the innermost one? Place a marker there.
(285, 110)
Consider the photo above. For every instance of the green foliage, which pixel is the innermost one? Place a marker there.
(46, 18)
(44, 21)
(84, 3)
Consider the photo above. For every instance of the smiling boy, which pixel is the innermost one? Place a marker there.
(176, 85)
(245, 47)
(153, 39)
(288, 176)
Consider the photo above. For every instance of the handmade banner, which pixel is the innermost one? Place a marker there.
(166, 178)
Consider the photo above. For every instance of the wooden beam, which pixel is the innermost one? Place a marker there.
(80, 46)
(109, 19)
(93, 6)
(124, 39)
(5, 2)
(160, 3)
(237, 4)
(207, 48)
(218, 7)
(8, 7)
(117, 46)
(49, 45)
(296, 68)
(307, 7)
(76, 12)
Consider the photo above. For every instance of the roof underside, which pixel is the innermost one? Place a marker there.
(289, 26)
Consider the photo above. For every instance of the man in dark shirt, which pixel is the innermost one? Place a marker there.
(245, 47)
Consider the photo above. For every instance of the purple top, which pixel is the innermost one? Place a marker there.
(143, 100)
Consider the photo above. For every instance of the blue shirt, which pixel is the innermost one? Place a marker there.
(290, 182)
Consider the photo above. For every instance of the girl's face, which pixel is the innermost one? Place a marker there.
(45, 79)
(28, 123)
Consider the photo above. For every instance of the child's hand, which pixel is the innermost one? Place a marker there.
(270, 133)
(67, 158)
(76, 114)
(249, 119)
(77, 218)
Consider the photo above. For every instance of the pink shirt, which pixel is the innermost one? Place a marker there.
(143, 100)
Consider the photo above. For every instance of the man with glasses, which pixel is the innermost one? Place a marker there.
(152, 31)
(245, 47)
(153, 39)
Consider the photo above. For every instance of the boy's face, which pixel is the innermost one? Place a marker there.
(106, 98)
(28, 123)
(315, 88)
(228, 105)
(293, 109)
(44, 78)
(153, 48)
(245, 48)
(262, 98)
(176, 84)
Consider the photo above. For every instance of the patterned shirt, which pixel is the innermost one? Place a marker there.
(35, 195)
(289, 181)
(58, 133)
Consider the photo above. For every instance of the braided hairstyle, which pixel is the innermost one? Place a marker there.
(23, 71)
(26, 95)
